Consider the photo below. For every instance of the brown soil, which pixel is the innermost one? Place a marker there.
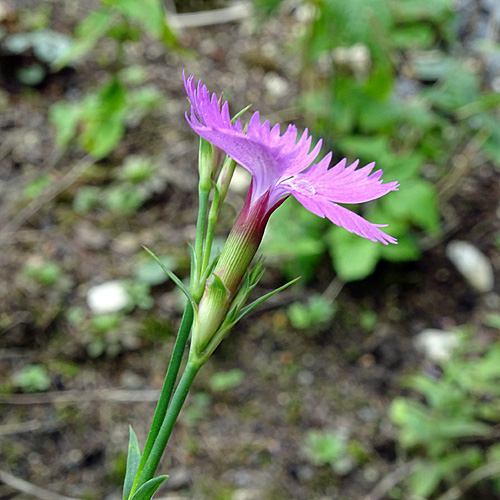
(242, 443)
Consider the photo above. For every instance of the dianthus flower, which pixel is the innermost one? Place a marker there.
(281, 165)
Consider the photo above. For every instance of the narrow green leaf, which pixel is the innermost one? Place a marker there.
(174, 278)
(239, 300)
(234, 315)
(257, 272)
(147, 490)
(250, 281)
(262, 299)
(133, 460)
(237, 115)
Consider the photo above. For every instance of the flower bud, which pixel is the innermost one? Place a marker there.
(240, 247)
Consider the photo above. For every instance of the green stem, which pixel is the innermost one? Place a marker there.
(168, 423)
(203, 196)
(220, 192)
(168, 387)
(213, 215)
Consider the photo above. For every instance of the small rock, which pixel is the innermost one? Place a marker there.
(108, 297)
(130, 380)
(246, 494)
(126, 244)
(275, 84)
(356, 57)
(436, 345)
(472, 264)
(113, 496)
(179, 478)
(305, 378)
(90, 237)
(368, 414)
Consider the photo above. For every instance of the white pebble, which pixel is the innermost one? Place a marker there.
(472, 264)
(275, 84)
(107, 298)
(436, 345)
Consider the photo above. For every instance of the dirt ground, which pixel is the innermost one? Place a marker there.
(243, 443)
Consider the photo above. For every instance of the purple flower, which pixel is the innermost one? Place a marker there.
(282, 165)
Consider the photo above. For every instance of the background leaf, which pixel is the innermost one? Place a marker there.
(353, 257)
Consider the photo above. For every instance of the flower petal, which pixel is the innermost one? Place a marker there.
(348, 184)
(343, 217)
(259, 159)
(262, 150)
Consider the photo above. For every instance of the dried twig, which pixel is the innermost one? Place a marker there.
(114, 395)
(29, 426)
(29, 210)
(30, 489)
(333, 289)
(464, 162)
(389, 481)
(457, 490)
(235, 12)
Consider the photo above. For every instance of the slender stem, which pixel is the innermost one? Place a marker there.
(168, 387)
(220, 192)
(213, 215)
(203, 195)
(168, 423)
(219, 196)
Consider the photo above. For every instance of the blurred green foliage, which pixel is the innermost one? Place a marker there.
(382, 82)
(45, 273)
(328, 448)
(452, 426)
(311, 315)
(132, 184)
(32, 378)
(197, 408)
(36, 187)
(222, 381)
(99, 120)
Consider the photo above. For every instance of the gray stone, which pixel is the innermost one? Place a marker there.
(436, 345)
(472, 264)
(107, 298)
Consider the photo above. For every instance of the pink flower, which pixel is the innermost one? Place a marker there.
(283, 164)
